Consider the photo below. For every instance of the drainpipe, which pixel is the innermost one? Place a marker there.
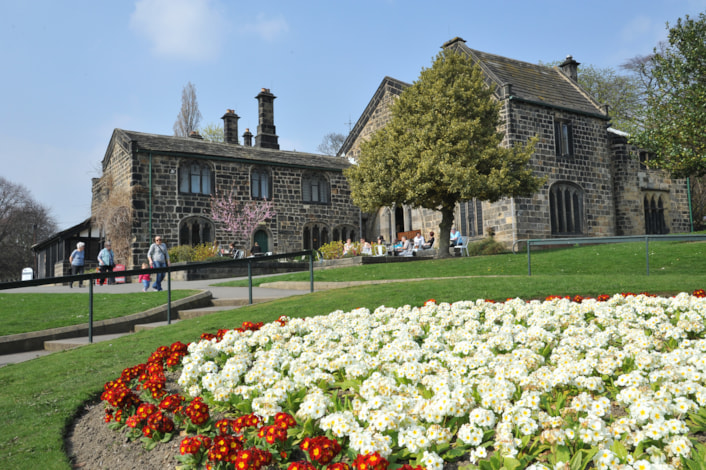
(149, 202)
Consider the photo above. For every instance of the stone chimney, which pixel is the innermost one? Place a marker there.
(195, 135)
(230, 127)
(247, 138)
(266, 134)
(570, 68)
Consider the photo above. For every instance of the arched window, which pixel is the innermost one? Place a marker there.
(654, 215)
(195, 178)
(314, 236)
(344, 232)
(566, 209)
(195, 231)
(315, 189)
(260, 184)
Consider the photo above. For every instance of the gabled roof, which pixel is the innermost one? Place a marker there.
(198, 148)
(63, 235)
(388, 84)
(533, 83)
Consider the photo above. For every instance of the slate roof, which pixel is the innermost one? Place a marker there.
(198, 148)
(533, 83)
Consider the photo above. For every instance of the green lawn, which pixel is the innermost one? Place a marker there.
(22, 313)
(628, 259)
(39, 398)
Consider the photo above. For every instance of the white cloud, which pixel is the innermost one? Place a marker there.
(187, 29)
(267, 29)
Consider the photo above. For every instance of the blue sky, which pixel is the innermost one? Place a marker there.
(75, 70)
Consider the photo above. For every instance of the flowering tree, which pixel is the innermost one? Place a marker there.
(240, 218)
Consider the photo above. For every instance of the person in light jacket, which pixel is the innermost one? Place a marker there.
(158, 256)
(78, 261)
(106, 262)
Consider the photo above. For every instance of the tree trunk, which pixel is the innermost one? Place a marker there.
(447, 219)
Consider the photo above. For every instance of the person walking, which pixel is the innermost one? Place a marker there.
(78, 261)
(106, 262)
(158, 256)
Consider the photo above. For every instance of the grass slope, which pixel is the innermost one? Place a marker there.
(39, 398)
(22, 313)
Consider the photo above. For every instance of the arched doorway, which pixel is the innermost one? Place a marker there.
(261, 238)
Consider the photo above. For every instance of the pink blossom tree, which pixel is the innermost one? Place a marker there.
(239, 217)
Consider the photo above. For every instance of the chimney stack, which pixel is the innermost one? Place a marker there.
(247, 138)
(195, 135)
(230, 127)
(570, 68)
(266, 134)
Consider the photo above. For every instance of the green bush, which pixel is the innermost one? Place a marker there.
(332, 250)
(181, 253)
(202, 252)
(486, 246)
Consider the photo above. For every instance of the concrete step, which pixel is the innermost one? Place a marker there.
(152, 326)
(70, 343)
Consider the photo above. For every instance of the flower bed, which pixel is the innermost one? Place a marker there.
(613, 382)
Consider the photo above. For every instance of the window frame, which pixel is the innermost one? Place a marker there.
(188, 178)
(563, 138)
(258, 175)
(318, 186)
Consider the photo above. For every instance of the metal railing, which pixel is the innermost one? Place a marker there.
(601, 240)
(91, 277)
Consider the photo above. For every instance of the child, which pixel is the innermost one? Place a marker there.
(145, 278)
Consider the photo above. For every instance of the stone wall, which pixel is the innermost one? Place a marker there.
(160, 207)
(634, 181)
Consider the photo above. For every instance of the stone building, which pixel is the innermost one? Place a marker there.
(170, 181)
(597, 184)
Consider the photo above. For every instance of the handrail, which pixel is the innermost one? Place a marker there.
(600, 240)
(168, 270)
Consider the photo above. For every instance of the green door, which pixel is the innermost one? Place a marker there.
(261, 238)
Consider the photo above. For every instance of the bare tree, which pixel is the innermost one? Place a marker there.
(189, 116)
(23, 222)
(331, 144)
(113, 216)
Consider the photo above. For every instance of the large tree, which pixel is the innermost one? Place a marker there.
(23, 222)
(622, 93)
(331, 143)
(189, 115)
(674, 119)
(442, 146)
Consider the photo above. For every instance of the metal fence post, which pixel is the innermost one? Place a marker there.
(90, 310)
(311, 272)
(169, 296)
(529, 263)
(250, 282)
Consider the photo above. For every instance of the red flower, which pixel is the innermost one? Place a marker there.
(370, 462)
(699, 293)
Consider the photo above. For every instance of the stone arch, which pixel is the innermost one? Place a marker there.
(314, 235)
(196, 230)
(656, 209)
(566, 208)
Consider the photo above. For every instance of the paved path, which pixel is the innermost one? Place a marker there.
(217, 293)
